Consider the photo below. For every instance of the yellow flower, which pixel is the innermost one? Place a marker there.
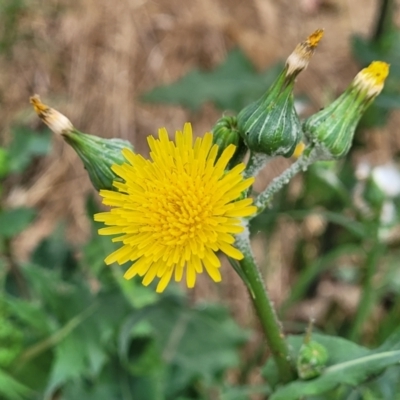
(174, 212)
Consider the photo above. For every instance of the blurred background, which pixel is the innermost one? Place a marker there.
(124, 69)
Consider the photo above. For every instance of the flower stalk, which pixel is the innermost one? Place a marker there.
(263, 200)
(265, 310)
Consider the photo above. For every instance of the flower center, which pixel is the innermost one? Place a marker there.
(178, 209)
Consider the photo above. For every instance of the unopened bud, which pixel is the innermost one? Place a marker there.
(312, 360)
(313, 356)
(97, 154)
(225, 132)
(271, 125)
(332, 129)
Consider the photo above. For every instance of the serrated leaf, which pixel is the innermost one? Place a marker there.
(180, 332)
(30, 314)
(14, 221)
(230, 86)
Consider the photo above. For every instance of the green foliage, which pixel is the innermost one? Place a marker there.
(72, 328)
(348, 363)
(231, 86)
(26, 145)
(14, 221)
(4, 162)
(11, 389)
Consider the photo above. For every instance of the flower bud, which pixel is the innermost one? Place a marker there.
(97, 154)
(225, 132)
(11, 338)
(271, 125)
(332, 129)
(311, 360)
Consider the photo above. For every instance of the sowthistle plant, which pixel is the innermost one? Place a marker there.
(174, 212)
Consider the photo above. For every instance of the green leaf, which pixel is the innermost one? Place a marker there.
(339, 350)
(231, 86)
(4, 162)
(26, 145)
(30, 314)
(353, 373)
(14, 221)
(245, 392)
(391, 343)
(54, 252)
(179, 333)
(11, 389)
(348, 364)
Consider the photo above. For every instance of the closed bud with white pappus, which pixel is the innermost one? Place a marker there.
(271, 125)
(332, 129)
(97, 154)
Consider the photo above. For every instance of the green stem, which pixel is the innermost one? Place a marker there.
(301, 164)
(256, 163)
(271, 325)
(368, 291)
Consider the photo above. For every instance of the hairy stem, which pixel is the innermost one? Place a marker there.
(301, 164)
(257, 162)
(267, 315)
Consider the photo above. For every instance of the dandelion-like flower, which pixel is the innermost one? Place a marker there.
(173, 212)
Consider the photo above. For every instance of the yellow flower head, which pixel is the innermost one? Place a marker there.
(173, 212)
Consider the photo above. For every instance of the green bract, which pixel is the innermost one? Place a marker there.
(271, 124)
(225, 132)
(98, 156)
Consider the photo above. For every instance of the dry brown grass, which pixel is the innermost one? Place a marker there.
(92, 58)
